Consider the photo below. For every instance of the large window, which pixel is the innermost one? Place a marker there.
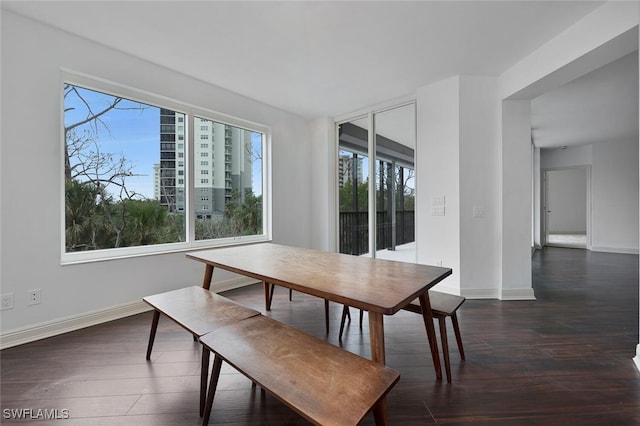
(130, 188)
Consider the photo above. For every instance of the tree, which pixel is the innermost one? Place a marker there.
(244, 217)
(84, 227)
(346, 197)
(148, 222)
(101, 212)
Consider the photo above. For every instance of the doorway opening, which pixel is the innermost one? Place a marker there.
(567, 213)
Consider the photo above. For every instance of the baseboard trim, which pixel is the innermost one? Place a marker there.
(619, 250)
(480, 293)
(65, 325)
(494, 293)
(523, 294)
(636, 359)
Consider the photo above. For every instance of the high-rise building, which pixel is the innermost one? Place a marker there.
(346, 164)
(171, 134)
(222, 164)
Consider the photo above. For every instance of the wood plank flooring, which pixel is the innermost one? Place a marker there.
(564, 359)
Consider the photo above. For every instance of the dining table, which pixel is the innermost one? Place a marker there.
(379, 287)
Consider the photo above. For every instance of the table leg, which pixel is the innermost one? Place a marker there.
(267, 295)
(376, 335)
(427, 316)
(208, 275)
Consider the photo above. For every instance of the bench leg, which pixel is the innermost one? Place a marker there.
(326, 315)
(215, 374)
(345, 314)
(152, 334)
(445, 347)
(204, 375)
(456, 329)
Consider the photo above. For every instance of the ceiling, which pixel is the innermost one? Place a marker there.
(324, 59)
(601, 106)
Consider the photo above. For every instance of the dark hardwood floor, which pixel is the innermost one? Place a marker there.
(564, 359)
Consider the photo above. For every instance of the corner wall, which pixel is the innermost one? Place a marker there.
(438, 176)
(517, 205)
(457, 160)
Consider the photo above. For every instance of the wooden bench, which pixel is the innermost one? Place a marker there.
(443, 305)
(322, 382)
(199, 311)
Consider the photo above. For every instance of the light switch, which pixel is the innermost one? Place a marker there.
(478, 211)
(437, 211)
(438, 200)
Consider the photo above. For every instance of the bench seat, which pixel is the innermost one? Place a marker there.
(199, 311)
(444, 305)
(322, 382)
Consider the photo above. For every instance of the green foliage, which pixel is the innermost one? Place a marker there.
(83, 219)
(346, 197)
(245, 217)
(95, 222)
(147, 222)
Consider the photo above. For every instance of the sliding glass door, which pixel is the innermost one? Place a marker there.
(377, 192)
(353, 187)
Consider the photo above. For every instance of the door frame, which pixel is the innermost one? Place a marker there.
(544, 202)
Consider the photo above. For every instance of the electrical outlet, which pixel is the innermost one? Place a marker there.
(34, 297)
(7, 301)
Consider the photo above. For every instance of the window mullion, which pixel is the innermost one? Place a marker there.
(190, 179)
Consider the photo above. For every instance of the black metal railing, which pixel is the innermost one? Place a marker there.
(354, 231)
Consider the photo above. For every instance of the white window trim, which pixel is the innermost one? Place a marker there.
(102, 85)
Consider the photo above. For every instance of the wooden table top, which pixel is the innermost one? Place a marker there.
(376, 285)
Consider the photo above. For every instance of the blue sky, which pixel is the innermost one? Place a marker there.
(133, 132)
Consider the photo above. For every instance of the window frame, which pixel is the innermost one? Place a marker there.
(190, 111)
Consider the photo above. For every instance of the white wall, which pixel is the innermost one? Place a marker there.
(580, 155)
(32, 56)
(614, 190)
(458, 157)
(636, 359)
(615, 197)
(517, 204)
(480, 196)
(323, 175)
(438, 175)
